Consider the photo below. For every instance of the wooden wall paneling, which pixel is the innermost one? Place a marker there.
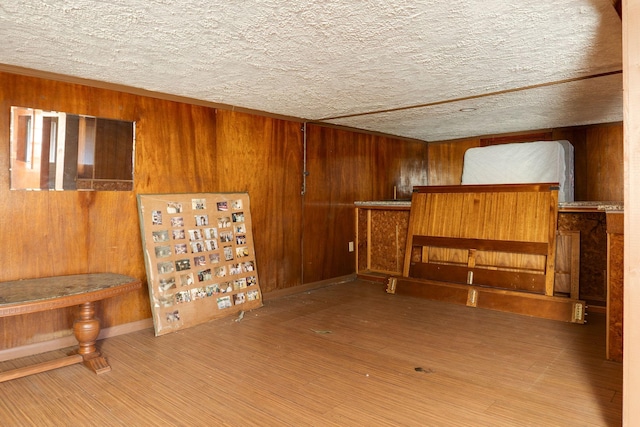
(263, 156)
(446, 159)
(176, 148)
(605, 163)
(57, 233)
(339, 173)
(403, 164)
(346, 166)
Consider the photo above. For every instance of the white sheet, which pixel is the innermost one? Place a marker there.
(522, 163)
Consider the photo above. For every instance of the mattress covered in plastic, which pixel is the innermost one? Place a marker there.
(522, 163)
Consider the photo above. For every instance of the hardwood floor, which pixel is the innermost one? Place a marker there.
(343, 355)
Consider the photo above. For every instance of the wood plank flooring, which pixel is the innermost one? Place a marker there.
(341, 355)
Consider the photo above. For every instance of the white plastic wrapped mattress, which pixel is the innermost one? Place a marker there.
(522, 163)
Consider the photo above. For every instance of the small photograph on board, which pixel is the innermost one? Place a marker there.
(163, 251)
(198, 204)
(165, 284)
(195, 234)
(198, 293)
(165, 267)
(251, 280)
(236, 204)
(224, 222)
(240, 228)
(226, 236)
(222, 206)
(177, 221)
(211, 245)
(183, 264)
(242, 251)
(228, 253)
(199, 261)
(183, 297)
(220, 271)
(156, 217)
(226, 287)
(174, 208)
(210, 233)
(237, 217)
(214, 258)
(248, 266)
(202, 220)
(212, 289)
(160, 236)
(224, 302)
(180, 248)
(173, 316)
(197, 247)
(239, 298)
(166, 300)
(204, 275)
(186, 279)
(178, 234)
(241, 239)
(234, 269)
(240, 283)
(253, 295)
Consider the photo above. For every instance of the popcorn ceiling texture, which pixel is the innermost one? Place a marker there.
(327, 59)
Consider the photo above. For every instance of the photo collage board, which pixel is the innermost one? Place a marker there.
(199, 257)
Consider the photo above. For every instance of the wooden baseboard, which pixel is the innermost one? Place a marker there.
(70, 340)
(308, 287)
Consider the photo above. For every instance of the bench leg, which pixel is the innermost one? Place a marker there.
(86, 329)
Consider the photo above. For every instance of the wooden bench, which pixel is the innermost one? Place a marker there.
(49, 293)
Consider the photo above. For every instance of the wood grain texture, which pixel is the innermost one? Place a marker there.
(615, 286)
(264, 156)
(345, 167)
(487, 230)
(446, 160)
(593, 252)
(475, 368)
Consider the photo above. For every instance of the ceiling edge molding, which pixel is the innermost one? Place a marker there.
(29, 72)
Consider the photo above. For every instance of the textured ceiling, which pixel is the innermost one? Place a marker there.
(400, 67)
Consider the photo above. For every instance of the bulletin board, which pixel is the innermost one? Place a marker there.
(199, 257)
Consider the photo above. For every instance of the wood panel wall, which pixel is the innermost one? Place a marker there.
(182, 147)
(343, 167)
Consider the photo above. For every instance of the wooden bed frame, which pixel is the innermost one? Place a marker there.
(490, 246)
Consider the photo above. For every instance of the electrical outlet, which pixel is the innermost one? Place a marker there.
(351, 247)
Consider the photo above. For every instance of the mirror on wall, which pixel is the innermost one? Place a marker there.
(52, 150)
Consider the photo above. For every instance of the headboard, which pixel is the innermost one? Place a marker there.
(486, 246)
(500, 236)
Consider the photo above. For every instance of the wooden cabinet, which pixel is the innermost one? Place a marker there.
(381, 235)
